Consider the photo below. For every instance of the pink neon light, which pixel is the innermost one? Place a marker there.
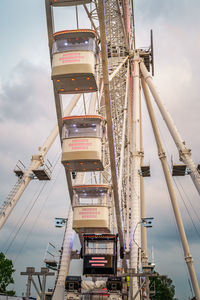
(76, 148)
(89, 209)
(98, 265)
(74, 59)
(70, 57)
(81, 144)
(77, 141)
(87, 212)
(66, 61)
(91, 217)
(98, 257)
(73, 53)
(98, 261)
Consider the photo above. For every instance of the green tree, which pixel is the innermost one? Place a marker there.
(164, 289)
(6, 271)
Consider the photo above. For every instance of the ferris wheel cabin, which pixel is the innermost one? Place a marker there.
(82, 143)
(100, 255)
(68, 2)
(75, 58)
(91, 205)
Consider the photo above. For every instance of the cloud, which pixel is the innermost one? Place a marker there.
(26, 95)
(28, 114)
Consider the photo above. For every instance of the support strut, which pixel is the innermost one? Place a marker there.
(185, 154)
(162, 156)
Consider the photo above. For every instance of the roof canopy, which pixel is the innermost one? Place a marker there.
(79, 33)
(98, 188)
(82, 119)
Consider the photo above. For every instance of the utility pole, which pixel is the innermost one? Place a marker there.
(30, 272)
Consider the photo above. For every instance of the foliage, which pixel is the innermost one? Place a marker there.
(164, 289)
(6, 271)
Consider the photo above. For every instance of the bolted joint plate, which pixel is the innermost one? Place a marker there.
(188, 259)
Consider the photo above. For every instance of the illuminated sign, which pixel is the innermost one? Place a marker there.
(99, 261)
(71, 57)
(80, 144)
(89, 213)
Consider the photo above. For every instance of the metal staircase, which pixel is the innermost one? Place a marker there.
(10, 197)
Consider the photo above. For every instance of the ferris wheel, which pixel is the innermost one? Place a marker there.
(107, 146)
(102, 151)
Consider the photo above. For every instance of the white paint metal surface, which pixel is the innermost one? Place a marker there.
(185, 154)
(135, 226)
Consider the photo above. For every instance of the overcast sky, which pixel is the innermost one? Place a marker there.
(27, 115)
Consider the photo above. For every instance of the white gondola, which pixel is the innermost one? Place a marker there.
(75, 58)
(68, 2)
(91, 204)
(82, 143)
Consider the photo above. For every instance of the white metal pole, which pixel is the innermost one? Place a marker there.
(122, 159)
(128, 201)
(142, 196)
(50, 26)
(184, 153)
(144, 254)
(162, 156)
(59, 291)
(135, 227)
(129, 158)
(123, 134)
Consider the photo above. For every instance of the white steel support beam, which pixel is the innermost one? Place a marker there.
(144, 253)
(185, 154)
(59, 292)
(128, 199)
(135, 226)
(126, 8)
(118, 69)
(59, 110)
(129, 158)
(123, 134)
(109, 122)
(162, 156)
(91, 20)
(50, 25)
(124, 165)
(123, 25)
(36, 162)
(142, 196)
